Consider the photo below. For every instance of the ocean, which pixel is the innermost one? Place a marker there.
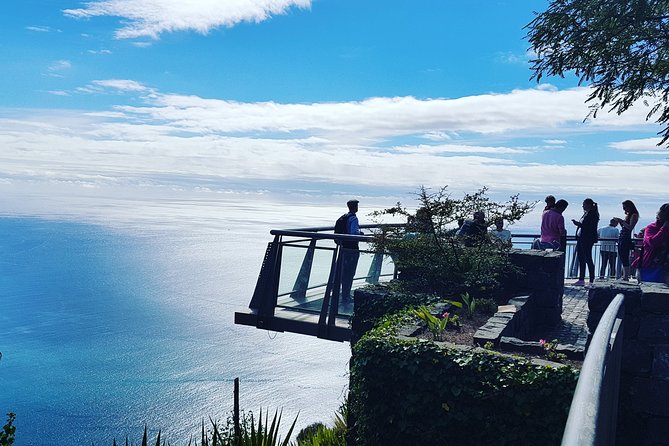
(108, 325)
(117, 313)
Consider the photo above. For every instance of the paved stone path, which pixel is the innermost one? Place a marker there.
(573, 329)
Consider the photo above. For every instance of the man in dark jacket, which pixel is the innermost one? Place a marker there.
(350, 253)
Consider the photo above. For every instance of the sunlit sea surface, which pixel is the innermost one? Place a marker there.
(125, 319)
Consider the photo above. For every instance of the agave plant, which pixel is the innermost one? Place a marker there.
(263, 435)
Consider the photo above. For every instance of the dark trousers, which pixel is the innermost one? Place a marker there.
(349, 264)
(608, 258)
(584, 254)
(624, 248)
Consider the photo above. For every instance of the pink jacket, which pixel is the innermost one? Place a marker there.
(552, 226)
(655, 237)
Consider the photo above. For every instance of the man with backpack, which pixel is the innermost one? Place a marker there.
(348, 224)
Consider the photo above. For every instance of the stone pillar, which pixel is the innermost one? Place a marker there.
(543, 281)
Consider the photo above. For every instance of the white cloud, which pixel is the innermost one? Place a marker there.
(640, 145)
(516, 58)
(437, 136)
(177, 139)
(378, 118)
(150, 18)
(60, 65)
(114, 86)
(555, 142)
(121, 84)
(39, 29)
(458, 148)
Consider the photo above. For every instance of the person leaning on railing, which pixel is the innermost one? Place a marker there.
(653, 265)
(625, 244)
(552, 227)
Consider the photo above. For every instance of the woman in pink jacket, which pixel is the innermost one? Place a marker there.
(655, 248)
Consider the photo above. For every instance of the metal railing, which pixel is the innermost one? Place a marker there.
(571, 262)
(594, 408)
(302, 272)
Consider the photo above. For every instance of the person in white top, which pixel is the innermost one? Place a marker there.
(499, 231)
(608, 251)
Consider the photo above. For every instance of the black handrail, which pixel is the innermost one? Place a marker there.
(265, 300)
(593, 412)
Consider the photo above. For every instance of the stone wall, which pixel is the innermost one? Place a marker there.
(542, 280)
(643, 412)
(535, 289)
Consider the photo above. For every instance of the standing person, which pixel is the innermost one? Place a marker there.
(586, 236)
(608, 251)
(655, 248)
(350, 252)
(625, 243)
(552, 227)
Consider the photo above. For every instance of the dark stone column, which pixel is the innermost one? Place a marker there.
(543, 281)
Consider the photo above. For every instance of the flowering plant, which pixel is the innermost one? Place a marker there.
(550, 350)
(437, 324)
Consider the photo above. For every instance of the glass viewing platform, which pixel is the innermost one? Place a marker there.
(299, 285)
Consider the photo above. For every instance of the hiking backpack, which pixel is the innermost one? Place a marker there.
(341, 225)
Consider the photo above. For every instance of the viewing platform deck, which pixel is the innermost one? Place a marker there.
(299, 285)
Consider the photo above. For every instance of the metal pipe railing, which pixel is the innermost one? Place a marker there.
(594, 408)
(309, 282)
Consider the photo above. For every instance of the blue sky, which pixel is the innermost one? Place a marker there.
(309, 99)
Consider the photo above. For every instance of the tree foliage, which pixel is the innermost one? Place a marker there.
(619, 47)
(432, 257)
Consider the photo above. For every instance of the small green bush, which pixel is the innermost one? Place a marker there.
(308, 432)
(8, 430)
(318, 434)
(324, 436)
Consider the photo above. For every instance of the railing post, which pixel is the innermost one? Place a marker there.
(267, 273)
(302, 281)
(265, 297)
(331, 291)
(375, 268)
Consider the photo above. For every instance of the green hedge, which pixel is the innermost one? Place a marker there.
(406, 391)
(374, 302)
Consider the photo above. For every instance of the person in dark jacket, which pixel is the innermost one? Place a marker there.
(473, 232)
(586, 237)
(350, 252)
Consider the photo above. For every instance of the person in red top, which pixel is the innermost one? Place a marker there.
(552, 227)
(655, 247)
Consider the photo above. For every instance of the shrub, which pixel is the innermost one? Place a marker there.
(308, 432)
(318, 434)
(8, 430)
(431, 257)
(324, 436)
